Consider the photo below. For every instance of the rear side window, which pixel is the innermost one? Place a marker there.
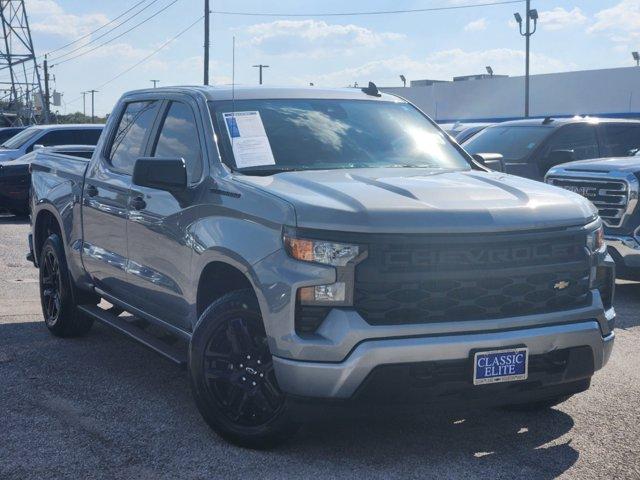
(129, 140)
(621, 140)
(57, 137)
(87, 136)
(179, 139)
(580, 138)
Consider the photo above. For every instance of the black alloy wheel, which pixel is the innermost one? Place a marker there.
(232, 374)
(239, 372)
(50, 284)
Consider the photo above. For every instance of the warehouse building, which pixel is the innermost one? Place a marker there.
(611, 92)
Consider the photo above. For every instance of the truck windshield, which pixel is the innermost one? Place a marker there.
(513, 143)
(21, 138)
(316, 134)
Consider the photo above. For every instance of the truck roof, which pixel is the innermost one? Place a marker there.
(553, 122)
(225, 92)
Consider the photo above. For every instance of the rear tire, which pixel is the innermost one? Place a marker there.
(232, 377)
(59, 308)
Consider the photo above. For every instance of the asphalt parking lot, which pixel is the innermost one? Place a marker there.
(104, 407)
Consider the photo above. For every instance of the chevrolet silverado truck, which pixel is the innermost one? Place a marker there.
(612, 184)
(307, 245)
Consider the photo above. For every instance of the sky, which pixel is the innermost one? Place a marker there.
(333, 51)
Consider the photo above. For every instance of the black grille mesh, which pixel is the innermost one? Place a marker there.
(400, 283)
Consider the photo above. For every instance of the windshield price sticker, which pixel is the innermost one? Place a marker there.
(248, 138)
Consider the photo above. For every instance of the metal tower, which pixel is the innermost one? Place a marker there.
(21, 97)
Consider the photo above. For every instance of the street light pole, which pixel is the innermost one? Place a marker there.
(531, 14)
(260, 67)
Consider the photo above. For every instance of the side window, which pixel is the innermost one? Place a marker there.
(581, 138)
(128, 142)
(87, 136)
(56, 137)
(179, 139)
(621, 140)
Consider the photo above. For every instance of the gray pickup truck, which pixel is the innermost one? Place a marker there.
(306, 245)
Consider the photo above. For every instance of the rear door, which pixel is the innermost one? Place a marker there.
(159, 251)
(106, 197)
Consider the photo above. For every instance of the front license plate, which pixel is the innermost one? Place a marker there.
(497, 366)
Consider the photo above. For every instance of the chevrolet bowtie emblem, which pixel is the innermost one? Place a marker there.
(561, 285)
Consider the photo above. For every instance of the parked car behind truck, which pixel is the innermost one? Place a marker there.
(531, 147)
(48, 136)
(324, 245)
(612, 184)
(15, 177)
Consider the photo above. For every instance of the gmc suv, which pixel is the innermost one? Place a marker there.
(531, 147)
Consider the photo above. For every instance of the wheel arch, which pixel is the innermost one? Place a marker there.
(218, 278)
(45, 224)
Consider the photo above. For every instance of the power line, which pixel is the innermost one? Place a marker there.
(374, 12)
(178, 35)
(96, 30)
(116, 37)
(93, 40)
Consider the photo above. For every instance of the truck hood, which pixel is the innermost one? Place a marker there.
(398, 200)
(605, 165)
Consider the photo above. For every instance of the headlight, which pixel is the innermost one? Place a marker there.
(595, 240)
(320, 251)
(342, 256)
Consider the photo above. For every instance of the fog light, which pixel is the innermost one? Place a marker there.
(334, 293)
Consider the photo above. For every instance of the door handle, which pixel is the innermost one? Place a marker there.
(138, 203)
(92, 190)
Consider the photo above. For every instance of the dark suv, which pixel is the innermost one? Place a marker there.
(531, 147)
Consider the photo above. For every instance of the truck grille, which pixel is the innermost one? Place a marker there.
(611, 197)
(456, 278)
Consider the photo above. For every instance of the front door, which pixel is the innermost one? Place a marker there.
(106, 199)
(159, 252)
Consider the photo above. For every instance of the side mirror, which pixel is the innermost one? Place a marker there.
(38, 146)
(556, 157)
(494, 161)
(169, 174)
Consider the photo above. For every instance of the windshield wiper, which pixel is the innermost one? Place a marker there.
(266, 170)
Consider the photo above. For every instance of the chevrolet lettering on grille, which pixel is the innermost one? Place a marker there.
(480, 256)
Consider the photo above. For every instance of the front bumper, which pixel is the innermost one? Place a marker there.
(625, 250)
(341, 380)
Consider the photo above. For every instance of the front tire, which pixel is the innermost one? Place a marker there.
(232, 377)
(59, 308)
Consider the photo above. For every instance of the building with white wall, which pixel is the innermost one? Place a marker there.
(611, 92)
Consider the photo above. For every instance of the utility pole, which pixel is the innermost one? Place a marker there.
(93, 117)
(260, 67)
(206, 42)
(84, 104)
(155, 83)
(47, 98)
(531, 14)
